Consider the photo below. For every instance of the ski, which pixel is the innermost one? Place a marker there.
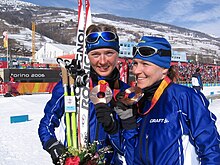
(79, 56)
(83, 92)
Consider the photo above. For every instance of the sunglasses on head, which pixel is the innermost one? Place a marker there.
(106, 36)
(145, 51)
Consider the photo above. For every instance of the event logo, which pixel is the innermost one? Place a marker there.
(28, 75)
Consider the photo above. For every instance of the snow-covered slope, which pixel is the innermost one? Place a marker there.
(130, 29)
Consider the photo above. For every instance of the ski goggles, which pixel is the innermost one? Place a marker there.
(106, 36)
(146, 51)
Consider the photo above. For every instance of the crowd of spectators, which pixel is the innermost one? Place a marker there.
(209, 73)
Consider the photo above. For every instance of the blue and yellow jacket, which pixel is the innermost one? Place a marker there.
(54, 114)
(179, 130)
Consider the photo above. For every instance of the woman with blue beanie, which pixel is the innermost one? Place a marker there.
(102, 47)
(175, 125)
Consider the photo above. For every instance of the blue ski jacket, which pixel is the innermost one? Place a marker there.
(54, 111)
(179, 130)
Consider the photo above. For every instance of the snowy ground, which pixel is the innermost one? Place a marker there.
(19, 142)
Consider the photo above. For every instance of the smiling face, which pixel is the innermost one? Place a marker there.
(147, 73)
(103, 60)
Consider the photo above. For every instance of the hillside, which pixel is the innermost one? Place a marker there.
(59, 25)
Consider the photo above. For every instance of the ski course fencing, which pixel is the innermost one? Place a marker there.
(211, 92)
(20, 88)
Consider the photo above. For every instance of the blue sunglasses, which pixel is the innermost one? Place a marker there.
(106, 36)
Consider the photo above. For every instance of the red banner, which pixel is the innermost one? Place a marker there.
(3, 64)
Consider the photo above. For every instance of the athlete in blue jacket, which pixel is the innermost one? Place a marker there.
(175, 125)
(102, 46)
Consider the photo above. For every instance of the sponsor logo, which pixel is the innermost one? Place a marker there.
(80, 38)
(159, 121)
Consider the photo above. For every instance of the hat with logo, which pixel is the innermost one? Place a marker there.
(153, 49)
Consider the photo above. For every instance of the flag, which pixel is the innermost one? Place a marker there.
(5, 39)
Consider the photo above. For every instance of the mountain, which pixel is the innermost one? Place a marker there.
(59, 25)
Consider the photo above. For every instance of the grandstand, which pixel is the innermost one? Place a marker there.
(210, 72)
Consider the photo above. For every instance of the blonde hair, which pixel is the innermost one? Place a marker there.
(100, 28)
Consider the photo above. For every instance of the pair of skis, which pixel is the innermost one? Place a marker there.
(82, 93)
(77, 99)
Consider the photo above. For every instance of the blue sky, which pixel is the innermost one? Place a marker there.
(201, 15)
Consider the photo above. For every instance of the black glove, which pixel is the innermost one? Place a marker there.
(126, 113)
(78, 73)
(55, 149)
(105, 117)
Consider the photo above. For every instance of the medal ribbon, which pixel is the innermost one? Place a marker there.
(103, 85)
(166, 81)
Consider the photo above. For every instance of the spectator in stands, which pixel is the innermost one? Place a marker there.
(1, 84)
(12, 79)
(185, 71)
(197, 80)
(1, 79)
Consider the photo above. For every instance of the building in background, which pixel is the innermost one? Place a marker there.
(178, 56)
(50, 51)
(126, 49)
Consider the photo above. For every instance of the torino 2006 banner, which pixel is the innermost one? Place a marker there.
(32, 75)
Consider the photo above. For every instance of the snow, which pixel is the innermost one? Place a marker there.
(19, 142)
(16, 3)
